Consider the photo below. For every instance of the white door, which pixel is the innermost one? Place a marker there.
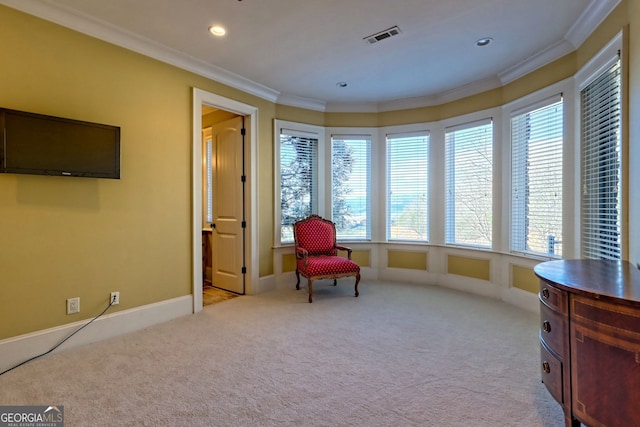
(227, 238)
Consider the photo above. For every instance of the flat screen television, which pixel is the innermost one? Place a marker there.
(46, 145)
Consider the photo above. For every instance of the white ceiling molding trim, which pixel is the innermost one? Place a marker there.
(593, 16)
(470, 89)
(301, 102)
(123, 38)
(540, 59)
(408, 103)
(352, 107)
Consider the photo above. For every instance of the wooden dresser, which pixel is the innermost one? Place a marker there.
(590, 340)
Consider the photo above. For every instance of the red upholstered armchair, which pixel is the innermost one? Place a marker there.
(317, 253)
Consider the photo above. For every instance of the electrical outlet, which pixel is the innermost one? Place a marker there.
(73, 305)
(115, 298)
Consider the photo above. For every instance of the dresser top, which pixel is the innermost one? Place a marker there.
(619, 280)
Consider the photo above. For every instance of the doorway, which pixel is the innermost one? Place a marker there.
(223, 203)
(233, 211)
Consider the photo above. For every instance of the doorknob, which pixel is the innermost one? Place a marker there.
(213, 225)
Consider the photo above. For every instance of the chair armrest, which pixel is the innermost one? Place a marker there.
(301, 253)
(345, 248)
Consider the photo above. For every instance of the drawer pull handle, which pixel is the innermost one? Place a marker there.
(546, 367)
(546, 326)
(545, 293)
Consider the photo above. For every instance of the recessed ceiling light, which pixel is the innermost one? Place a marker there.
(341, 84)
(485, 41)
(217, 30)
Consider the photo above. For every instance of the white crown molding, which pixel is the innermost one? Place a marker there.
(88, 25)
(352, 107)
(470, 89)
(408, 103)
(538, 60)
(301, 102)
(592, 16)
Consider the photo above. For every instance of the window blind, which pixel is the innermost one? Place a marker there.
(350, 186)
(407, 186)
(536, 174)
(298, 177)
(601, 166)
(469, 181)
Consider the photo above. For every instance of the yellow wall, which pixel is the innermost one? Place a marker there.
(362, 257)
(470, 267)
(407, 259)
(80, 237)
(68, 237)
(524, 278)
(288, 263)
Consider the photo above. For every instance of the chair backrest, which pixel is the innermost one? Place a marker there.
(315, 234)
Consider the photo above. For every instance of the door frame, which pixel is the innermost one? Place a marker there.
(251, 206)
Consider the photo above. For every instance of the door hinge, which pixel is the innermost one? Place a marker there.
(244, 224)
(243, 131)
(244, 270)
(243, 178)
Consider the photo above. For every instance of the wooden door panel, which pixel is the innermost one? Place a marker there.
(227, 239)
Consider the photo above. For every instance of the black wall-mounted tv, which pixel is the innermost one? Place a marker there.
(46, 145)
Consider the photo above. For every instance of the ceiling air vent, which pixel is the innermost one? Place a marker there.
(375, 38)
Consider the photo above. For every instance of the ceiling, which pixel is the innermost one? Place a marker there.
(295, 52)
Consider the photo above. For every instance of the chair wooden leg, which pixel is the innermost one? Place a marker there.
(310, 290)
(357, 281)
(298, 276)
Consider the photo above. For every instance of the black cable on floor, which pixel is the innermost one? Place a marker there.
(60, 343)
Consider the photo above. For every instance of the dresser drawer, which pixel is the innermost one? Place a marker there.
(554, 330)
(551, 371)
(608, 319)
(554, 298)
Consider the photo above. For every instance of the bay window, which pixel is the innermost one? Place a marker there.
(407, 186)
(536, 174)
(469, 182)
(350, 186)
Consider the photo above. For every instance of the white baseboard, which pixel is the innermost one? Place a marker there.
(469, 285)
(266, 284)
(525, 300)
(407, 275)
(18, 349)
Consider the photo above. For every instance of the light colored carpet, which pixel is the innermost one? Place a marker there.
(399, 355)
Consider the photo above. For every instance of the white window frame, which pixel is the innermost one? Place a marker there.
(598, 65)
(304, 130)
(470, 121)
(572, 186)
(421, 133)
(374, 180)
(518, 241)
(369, 196)
(570, 166)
